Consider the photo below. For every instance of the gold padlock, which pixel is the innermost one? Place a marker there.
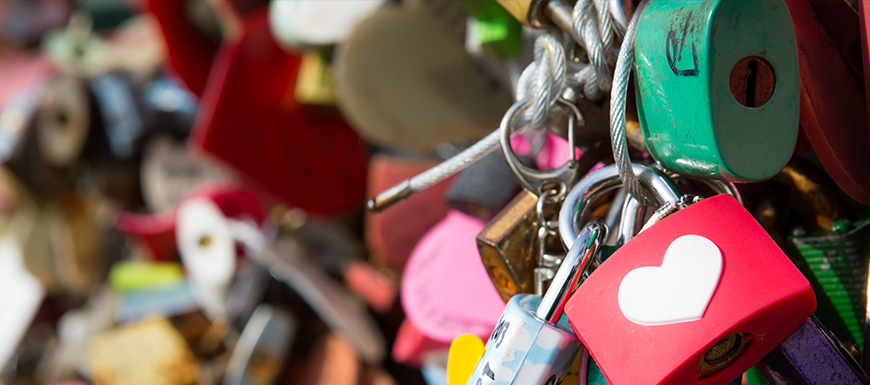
(150, 352)
(314, 84)
(508, 246)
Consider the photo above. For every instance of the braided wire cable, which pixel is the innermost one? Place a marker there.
(617, 111)
(605, 22)
(543, 80)
(585, 23)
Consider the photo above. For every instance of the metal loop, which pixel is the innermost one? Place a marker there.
(601, 181)
(532, 179)
(573, 270)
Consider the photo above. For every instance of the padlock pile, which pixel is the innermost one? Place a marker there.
(439, 192)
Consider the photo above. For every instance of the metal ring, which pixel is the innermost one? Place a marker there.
(601, 181)
(532, 179)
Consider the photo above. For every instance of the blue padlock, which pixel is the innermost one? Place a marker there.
(532, 343)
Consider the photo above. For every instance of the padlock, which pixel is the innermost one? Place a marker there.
(837, 130)
(190, 49)
(252, 86)
(306, 24)
(506, 246)
(64, 121)
(810, 356)
(149, 351)
(22, 295)
(519, 253)
(705, 288)
(314, 83)
(121, 112)
(170, 106)
(391, 235)
(169, 171)
(445, 291)
(532, 344)
(717, 87)
(384, 60)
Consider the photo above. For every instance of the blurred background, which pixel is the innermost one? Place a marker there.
(142, 140)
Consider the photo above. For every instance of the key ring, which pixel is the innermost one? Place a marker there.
(534, 180)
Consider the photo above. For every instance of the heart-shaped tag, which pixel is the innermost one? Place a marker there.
(677, 291)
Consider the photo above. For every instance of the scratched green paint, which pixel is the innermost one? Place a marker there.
(684, 53)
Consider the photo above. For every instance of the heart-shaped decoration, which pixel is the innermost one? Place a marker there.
(677, 291)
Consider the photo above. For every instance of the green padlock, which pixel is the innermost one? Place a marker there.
(717, 86)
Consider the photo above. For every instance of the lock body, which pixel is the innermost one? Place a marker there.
(525, 349)
(717, 87)
(506, 246)
(754, 301)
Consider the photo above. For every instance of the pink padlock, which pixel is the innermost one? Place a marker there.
(698, 298)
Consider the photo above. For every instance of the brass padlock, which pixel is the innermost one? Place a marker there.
(147, 352)
(505, 246)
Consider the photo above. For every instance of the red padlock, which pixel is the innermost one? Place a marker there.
(249, 119)
(156, 233)
(698, 298)
(834, 110)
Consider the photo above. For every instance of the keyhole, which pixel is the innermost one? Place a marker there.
(62, 119)
(752, 81)
(723, 354)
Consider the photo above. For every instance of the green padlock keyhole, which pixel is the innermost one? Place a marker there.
(717, 87)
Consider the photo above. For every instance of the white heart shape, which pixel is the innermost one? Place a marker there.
(677, 291)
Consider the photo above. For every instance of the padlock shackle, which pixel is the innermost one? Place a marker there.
(572, 271)
(603, 180)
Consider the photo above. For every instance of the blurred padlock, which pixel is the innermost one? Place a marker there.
(836, 131)
(810, 356)
(64, 121)
(299, 24)
(694, 277)
(121, 111)
(445, 291)
(532, 343)
(252, 86)
(392, 234)
(315, 84)
(717, 87)
(190, 50)
(169, 171)
(22, 295)
(150, 351)
(415, 48)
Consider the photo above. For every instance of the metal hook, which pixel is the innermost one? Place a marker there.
(538, 181)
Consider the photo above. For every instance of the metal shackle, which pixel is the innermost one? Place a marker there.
(579, 258)
(599, 182)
